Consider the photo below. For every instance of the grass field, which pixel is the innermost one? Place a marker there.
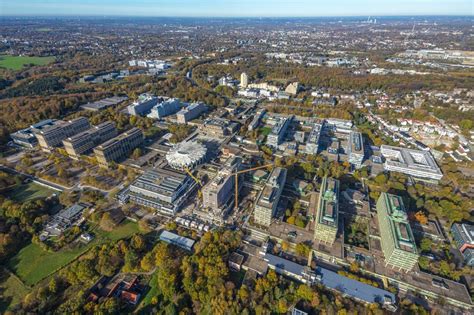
(29, 191)
(33, 264)
(265, 131)
(153, 291)
(12, 291)
(18, 62)
(124, 230)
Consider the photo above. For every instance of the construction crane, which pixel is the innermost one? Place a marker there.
(236, 174)
(196, 180)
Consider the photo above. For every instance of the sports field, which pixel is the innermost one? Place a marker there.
(18, 62)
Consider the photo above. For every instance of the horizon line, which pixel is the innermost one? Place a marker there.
(236, 17)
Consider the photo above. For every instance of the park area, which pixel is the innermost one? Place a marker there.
(29, 191)
(19, 62)
(33, 264)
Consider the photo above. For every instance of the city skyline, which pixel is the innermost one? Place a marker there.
(233, 8)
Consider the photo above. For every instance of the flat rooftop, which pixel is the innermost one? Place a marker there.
(329, 202)
(106, 102)
(411, 160)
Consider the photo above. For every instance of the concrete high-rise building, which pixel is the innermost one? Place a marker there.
(119, 147)
(356, 149)
(26, 137)
(218, 195)
(85, 141)
(312, 145)
(396, 237)
(267, 201)
(190, 112)
(275, 138)
(143, 105)
(165, 108)
(463, 235)
(327, 212)
(244, 80)
(162, 189)
(52, 134)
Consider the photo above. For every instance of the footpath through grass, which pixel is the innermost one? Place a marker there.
(18, 62)
(32, 263)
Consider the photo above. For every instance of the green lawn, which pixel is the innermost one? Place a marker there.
(124, 230)
(30, 191)
(33, 264)
(12, 291)
(265, 131)
(18, 62)
(153, 291)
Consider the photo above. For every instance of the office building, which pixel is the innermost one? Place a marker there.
(244, 80)
(52, 134)
(256, 120)
(277, 135)
(162, 189)
(356, 149)
(119, 147)
(85, 141)
(105, 103)
(63, 220)
(26, 137)
(143, 105)
(165, 107)
(190, 112)
(411, 162)
(339, 125)
(218, 195)
(327, 212)
(396, 237)
(218, 127)
(312, 145)
(463, 235)
(267, 201)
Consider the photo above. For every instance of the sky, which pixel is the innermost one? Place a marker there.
(236, 8)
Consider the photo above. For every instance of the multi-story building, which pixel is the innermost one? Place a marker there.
(356, 149)
(312, 145)
(85, 141)
(190, 112)
(411, 162)
(275, 138)
(219, 193)
(119, 147)
(339, 125)
(267, 201)
(52, 134)
(463, 235)
(396, 237)
(256, 120)
(162, 189)
(244, 80)
(165, 108)
(218, 127)
(327, 212)
(26, 137)
(142, 105)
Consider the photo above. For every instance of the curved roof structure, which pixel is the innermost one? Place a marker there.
(186, 155)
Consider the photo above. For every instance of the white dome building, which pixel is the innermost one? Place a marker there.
(186, 155)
